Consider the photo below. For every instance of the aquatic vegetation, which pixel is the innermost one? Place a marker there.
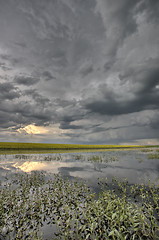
(79, 157)
(53, 158)
(104, 158)
(146, 150)
(31, 200)
(140, 160)
(153, 156)
(22, 156)
(100, 158)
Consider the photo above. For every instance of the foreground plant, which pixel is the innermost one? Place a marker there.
(31, 200)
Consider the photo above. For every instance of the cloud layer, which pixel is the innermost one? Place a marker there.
(81, 71)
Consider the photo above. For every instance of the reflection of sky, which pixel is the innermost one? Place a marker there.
(128, 166)
(51, 166)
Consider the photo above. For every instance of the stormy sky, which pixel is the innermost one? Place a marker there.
(79, 71)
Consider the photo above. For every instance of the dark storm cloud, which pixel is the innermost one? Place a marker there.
(37, 109)
(119, 21)
(5, 57)
(71, 114)
(48, 76)
(155, 123)
(10, 59)
(32, 107)
(144, 87)
(92, 62)
(67, 125)
(3, 118)
(152, 9)
(38, 98)
(4, 66)
(111, 106)
(10, 119)
(25, 113)
(8, 91)
(21, 44)
(19, 108)
(26, 80)
(87, 70)
(146, 74)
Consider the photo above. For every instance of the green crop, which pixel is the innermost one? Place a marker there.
(38, 146)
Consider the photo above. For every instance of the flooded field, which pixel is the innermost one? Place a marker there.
(134, 165)
(81, 174)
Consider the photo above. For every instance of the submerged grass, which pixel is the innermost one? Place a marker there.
(153, 156)
(31, 200)
(147, 150)
(96, 158)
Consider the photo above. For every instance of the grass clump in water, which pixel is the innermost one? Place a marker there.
(96, 158)
(146, 150)
(32, 200)
(153, 156)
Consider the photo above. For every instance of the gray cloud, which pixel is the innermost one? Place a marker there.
(48, 76)
(87, 70)
(94, 65)
(12, 60)
(155, 123)
(119, 20)
(8, 91)
(26, 80)
(111, 105)
(4, 66)
(152, 9)
(38, 98)
(143, 86)
(21, 44)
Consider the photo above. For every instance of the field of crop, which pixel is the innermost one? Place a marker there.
(45, 146)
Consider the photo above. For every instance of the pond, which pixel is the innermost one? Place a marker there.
(137, 166)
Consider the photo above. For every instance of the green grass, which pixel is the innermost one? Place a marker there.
(46, 146)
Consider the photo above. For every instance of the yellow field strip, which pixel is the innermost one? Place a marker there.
(36, 146)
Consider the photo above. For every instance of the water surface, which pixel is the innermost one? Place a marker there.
(90, 166)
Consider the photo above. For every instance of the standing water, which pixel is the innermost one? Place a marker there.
(137, 166)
